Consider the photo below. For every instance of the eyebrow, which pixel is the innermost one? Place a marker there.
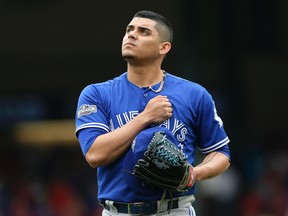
(142, 28)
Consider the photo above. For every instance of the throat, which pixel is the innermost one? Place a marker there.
(141, 81)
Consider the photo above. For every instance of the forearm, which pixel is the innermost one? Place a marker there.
(213, 164)
(110, 146)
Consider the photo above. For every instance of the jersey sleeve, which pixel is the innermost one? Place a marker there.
(210, 128)
(91, 117)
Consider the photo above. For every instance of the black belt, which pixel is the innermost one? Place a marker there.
(142, 208)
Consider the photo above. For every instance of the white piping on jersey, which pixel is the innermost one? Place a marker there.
(215, 146)
(94, 124)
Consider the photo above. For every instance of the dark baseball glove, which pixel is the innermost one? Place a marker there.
(165, 166)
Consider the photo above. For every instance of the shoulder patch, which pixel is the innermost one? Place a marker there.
(86, 109)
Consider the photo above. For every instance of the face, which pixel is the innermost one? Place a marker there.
(141, 40)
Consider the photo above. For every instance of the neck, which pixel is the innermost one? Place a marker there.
(144, 77)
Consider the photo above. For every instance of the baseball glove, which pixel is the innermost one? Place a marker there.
(165, 166)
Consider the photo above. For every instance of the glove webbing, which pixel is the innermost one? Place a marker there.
(164, 152)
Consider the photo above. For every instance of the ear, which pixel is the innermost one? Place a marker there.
(164, 48)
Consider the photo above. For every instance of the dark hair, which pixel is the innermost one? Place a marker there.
(164, 28)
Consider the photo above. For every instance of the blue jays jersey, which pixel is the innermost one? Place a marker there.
(104, 107)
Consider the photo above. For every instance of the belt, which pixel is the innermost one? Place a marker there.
(139, 208)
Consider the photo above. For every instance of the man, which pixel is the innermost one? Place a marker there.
(110, 116)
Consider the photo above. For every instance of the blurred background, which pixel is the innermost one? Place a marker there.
(50, 50)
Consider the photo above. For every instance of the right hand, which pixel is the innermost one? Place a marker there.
(158, 109)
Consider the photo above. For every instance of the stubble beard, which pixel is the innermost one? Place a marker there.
(128, 57)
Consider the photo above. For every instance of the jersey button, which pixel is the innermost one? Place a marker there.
(146, 95)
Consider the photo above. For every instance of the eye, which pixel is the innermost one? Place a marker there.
(129, 29)
(145, 31)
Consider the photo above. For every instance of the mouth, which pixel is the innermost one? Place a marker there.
(129, 44)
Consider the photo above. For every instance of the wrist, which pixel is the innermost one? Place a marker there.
(143, 120)
(198, 173)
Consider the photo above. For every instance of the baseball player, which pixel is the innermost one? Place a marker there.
(111, 115)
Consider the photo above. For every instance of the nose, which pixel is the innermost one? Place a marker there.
(131, 34)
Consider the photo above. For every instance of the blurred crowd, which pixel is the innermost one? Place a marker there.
(260, 189)
(58, 182)
(47, 182)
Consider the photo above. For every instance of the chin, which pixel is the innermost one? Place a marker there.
(128, 56)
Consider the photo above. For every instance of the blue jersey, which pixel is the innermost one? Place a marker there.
(104, 107)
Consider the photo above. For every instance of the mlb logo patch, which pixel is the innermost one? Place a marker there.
(86, 109)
